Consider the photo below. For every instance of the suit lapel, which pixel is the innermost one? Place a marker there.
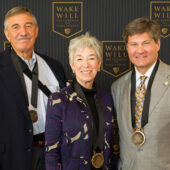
(10, 80)
(159, 86)
(125, 101)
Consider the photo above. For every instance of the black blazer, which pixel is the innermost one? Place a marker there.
(16, 130)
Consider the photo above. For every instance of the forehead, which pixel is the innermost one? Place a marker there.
(139, 37)
(20, 19)
(85, 50)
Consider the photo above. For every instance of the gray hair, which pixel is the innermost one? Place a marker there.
(18, 10)
(82, 42)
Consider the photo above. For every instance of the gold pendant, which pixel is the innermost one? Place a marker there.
(97, 160)
(33, 115)
(138, 138)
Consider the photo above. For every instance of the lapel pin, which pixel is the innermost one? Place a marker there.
(166, 83)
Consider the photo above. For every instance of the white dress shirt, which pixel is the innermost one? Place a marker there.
(147, 74)
(47, 77)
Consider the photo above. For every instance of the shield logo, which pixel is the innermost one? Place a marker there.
(67, 18)
(159, 11)
(115, 58)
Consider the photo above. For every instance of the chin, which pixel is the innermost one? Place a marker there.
(24, 50)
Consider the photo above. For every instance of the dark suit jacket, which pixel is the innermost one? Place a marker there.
(68, 131)
(16, 130)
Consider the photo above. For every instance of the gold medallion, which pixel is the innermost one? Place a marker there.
(33, 115)
(97, 160)
(138, 138)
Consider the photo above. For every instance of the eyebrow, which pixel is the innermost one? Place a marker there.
(14, 25)
(134, 42)
(31, 23)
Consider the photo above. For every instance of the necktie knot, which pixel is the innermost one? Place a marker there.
(143, 78)
(142, 81)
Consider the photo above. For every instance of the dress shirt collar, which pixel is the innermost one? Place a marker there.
(147, 74)
(30, 63)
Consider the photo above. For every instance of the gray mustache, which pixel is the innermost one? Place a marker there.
(23, 37)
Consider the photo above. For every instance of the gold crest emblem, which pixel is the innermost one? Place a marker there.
(164, 30)
(67, 30)
(115, 69)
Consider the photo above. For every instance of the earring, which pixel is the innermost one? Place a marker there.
(98, 69)
(73, 71)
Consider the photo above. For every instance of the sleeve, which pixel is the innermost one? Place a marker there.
(112, 136)
(115, 148)
(53, 132)
(113, 91)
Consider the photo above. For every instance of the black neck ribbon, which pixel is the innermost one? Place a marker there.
(21, 67)
(145, 112)
(98, 140)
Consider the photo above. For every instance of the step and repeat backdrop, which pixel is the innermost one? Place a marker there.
(60, 21)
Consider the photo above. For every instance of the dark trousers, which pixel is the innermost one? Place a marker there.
(38, 158)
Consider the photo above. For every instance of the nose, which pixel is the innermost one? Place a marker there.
(140, 49)
(86, 63)
(23, 31)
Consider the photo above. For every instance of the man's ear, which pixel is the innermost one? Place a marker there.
(7, 34)
(37, 30)
(158, 44)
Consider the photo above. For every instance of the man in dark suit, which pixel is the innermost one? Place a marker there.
(26, 80)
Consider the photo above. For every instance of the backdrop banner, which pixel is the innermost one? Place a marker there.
(60, 21)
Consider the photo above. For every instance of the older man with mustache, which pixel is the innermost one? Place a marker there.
(27, 78)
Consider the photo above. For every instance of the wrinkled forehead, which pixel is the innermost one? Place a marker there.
(21, 18)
